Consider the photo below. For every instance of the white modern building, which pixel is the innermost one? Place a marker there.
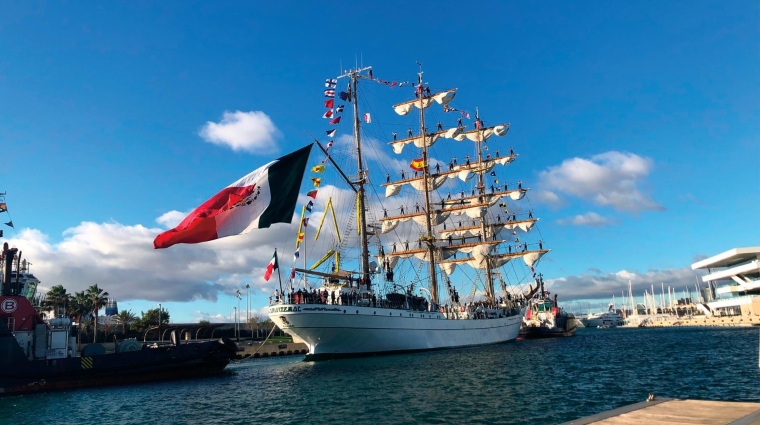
(733, 279)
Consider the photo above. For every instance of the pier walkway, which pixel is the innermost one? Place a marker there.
(674, 411)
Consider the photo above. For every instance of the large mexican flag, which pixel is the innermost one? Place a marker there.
(265, 196)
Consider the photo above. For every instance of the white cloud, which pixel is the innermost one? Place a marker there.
(250, 131)
(589, 219)
(608, 179)
(121, 260)
(548, 197)
(171, 219)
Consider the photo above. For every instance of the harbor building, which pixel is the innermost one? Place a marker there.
(733, 283)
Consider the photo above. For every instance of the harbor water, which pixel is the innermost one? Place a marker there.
(522, 382)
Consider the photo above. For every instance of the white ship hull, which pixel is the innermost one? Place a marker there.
(333, 331)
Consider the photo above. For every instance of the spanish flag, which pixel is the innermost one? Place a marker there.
(318, 169)
(417, 164)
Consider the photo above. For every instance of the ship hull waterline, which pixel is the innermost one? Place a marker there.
(336, 331)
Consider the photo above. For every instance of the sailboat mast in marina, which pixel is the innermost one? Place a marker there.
(371, 310)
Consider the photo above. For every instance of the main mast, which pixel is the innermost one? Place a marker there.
(362, 218)
(482, 192)
(429, 239)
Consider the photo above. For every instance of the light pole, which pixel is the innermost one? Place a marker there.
(248, 306)
(159, 322)
(237, 315)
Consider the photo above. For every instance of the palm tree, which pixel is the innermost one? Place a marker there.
(78, 306)
(125, 317)
(98, 298)
(55, 299)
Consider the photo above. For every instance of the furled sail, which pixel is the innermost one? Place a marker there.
(524, 225)
(390, 223)
(398, 145)
(441, 98)
(532, 257)
(478, 134)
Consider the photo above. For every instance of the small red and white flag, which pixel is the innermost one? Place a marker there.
(328, 114)
(335, 120)
(329, 93)
(329, 103)
(271, 267)
(367, 118)
(292, 272)
(329, 144)
(265, 196)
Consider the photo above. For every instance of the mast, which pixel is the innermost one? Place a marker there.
(482, 191)
(429, 239)
(362, 218)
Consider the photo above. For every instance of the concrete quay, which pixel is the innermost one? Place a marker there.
(724, 321)
(258, 349)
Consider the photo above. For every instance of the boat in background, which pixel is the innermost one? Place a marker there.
(609, 318)
(40, 356)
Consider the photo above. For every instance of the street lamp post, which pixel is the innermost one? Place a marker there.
(248, 307)
(237, 316)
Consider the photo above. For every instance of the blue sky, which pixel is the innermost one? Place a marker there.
(101, 108)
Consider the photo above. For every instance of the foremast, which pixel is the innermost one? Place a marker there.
(354, 75)
(429, 238)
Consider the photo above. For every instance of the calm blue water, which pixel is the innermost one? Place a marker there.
(524, 382)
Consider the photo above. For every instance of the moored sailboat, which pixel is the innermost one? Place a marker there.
(350, 314)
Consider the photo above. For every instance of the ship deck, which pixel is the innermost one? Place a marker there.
(674, 411)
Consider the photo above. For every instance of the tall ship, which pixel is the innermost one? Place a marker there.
(456, 228)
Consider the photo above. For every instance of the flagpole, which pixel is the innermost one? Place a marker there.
(279, 277)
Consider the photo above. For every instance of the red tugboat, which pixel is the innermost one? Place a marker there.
(39, 356)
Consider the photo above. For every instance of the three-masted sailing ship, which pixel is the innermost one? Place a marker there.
(372, 310)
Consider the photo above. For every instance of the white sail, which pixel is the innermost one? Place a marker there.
(525, 226)
(532, 258)
(516, 196)
(473, 212)
(392, 190)
(434, 183)
(499, 261)
(445, 97)
(403, 108)
(448, 268)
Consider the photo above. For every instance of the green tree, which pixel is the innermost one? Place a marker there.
(124, 318)
(150, 318)
(204, 322)
(78, 305)
(55, 299)
(98, 299)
